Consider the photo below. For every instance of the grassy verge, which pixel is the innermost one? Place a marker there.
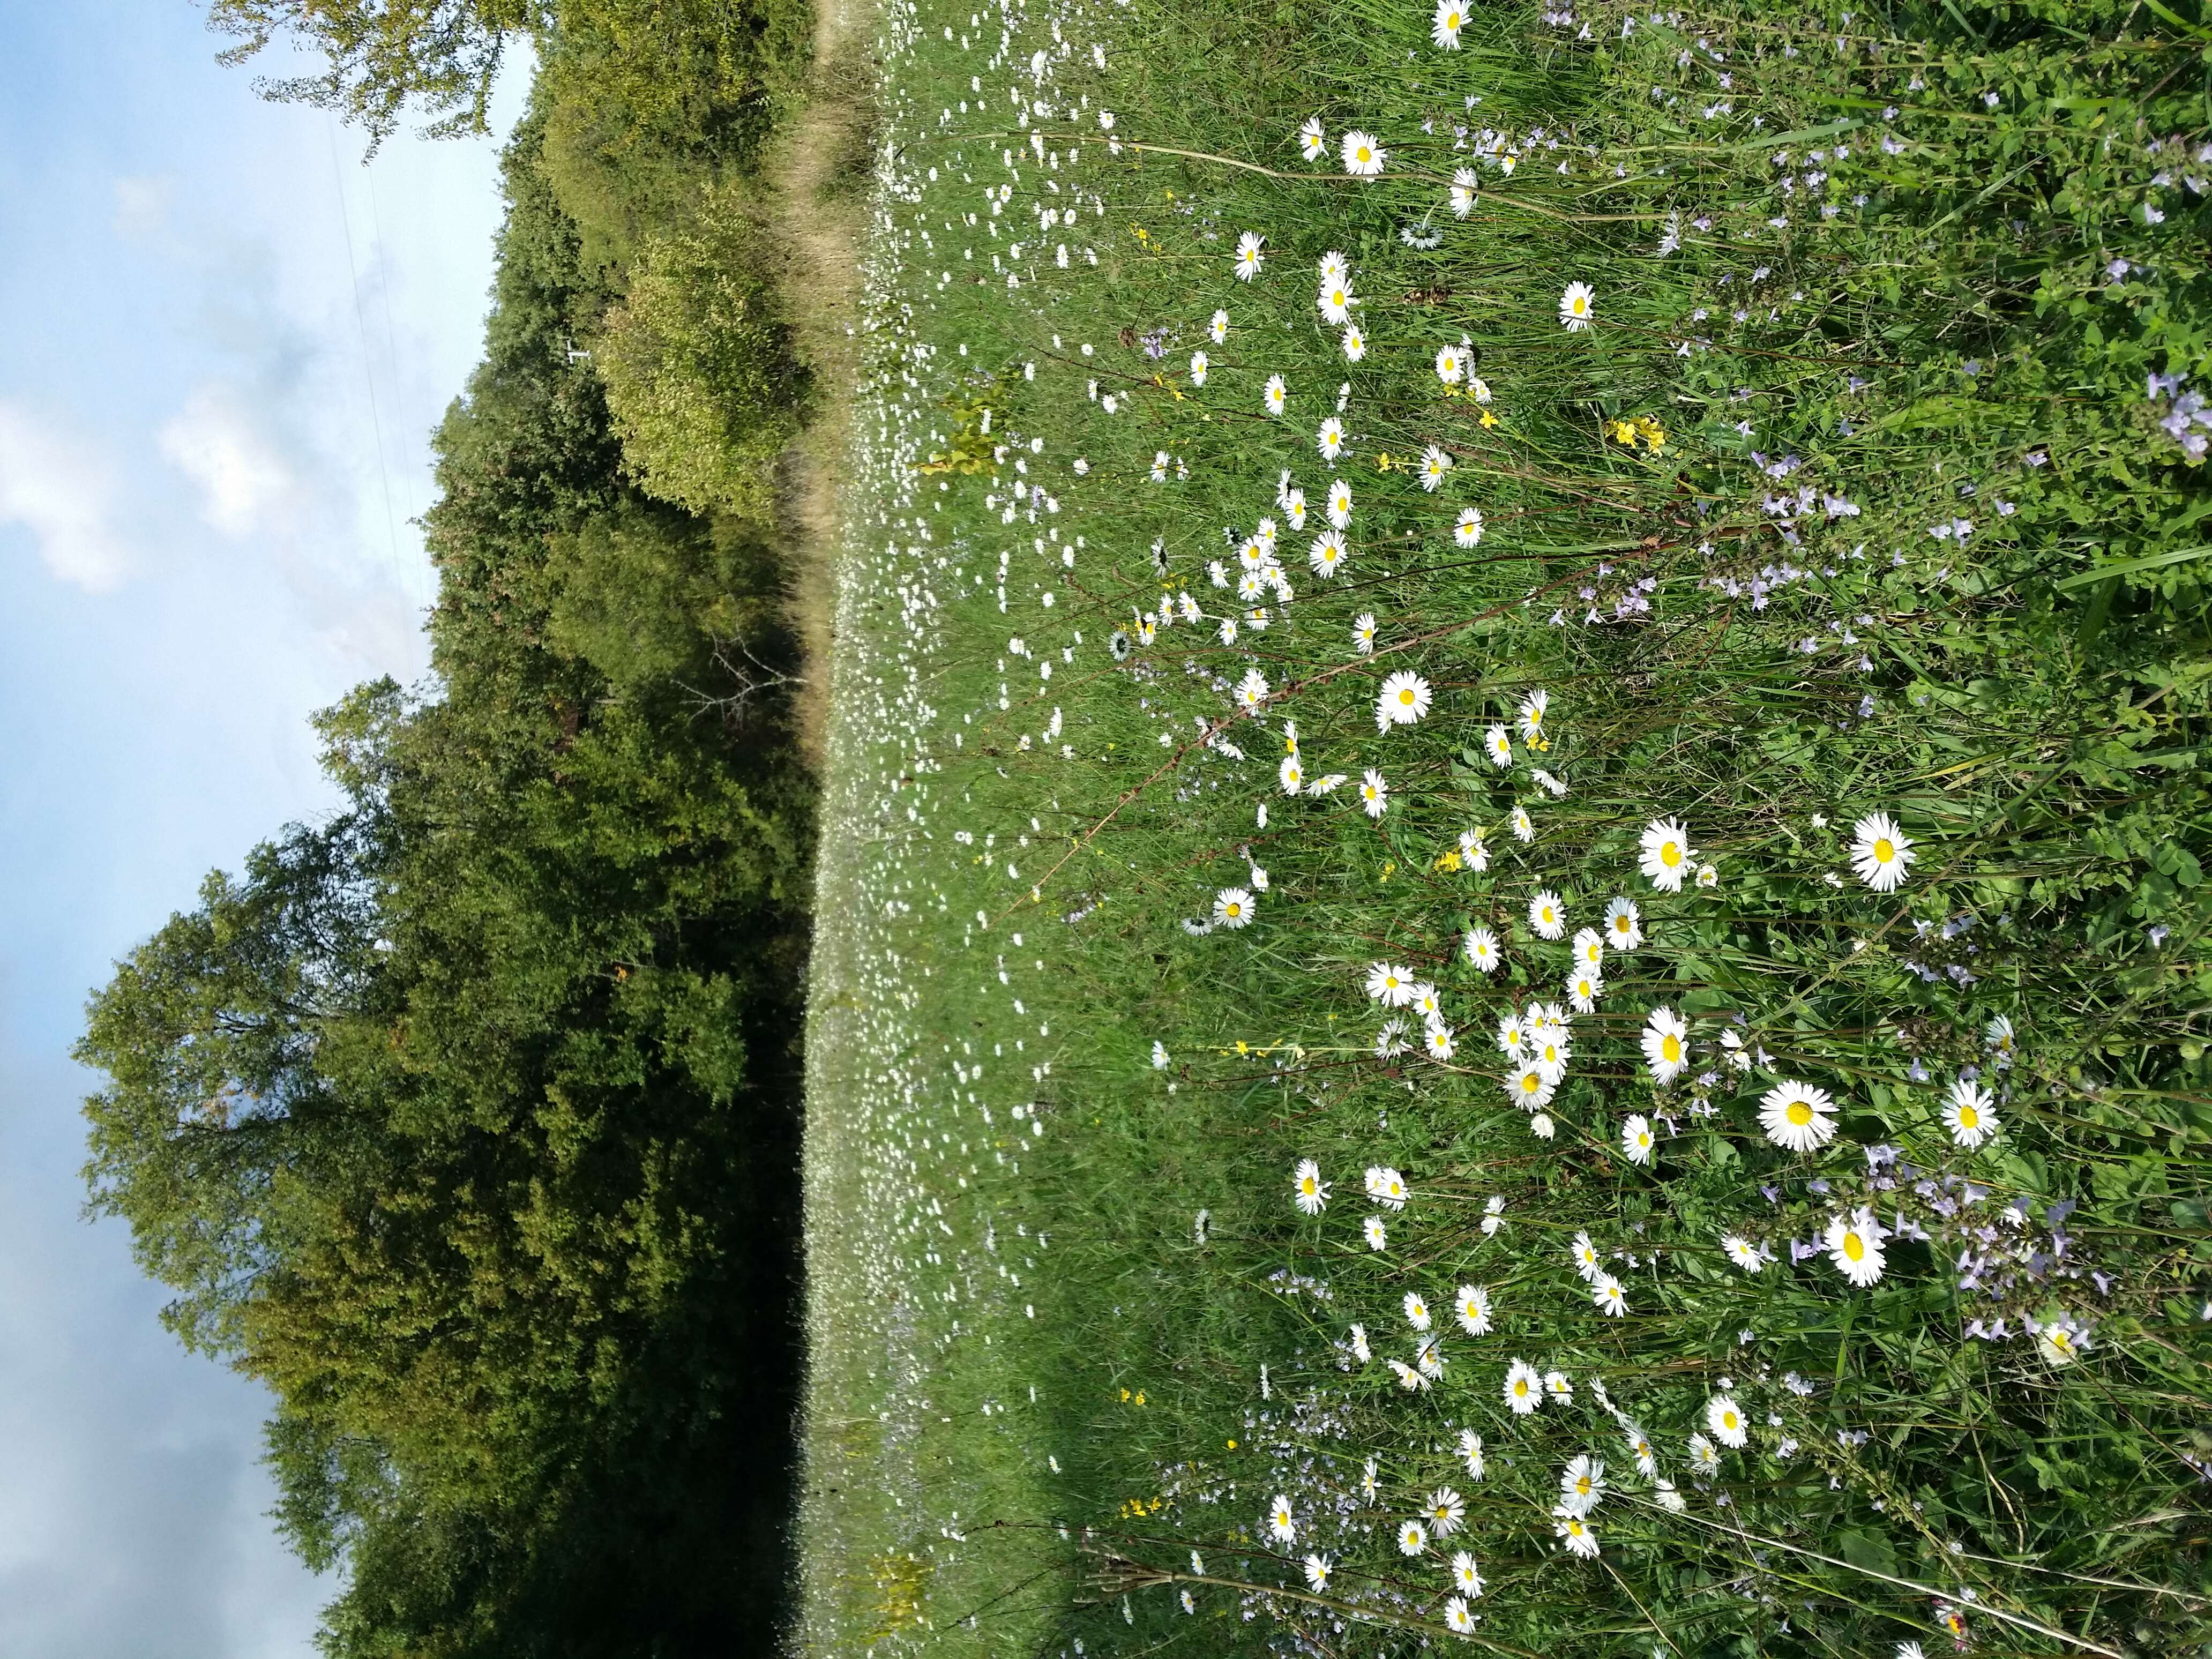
(1861, 484)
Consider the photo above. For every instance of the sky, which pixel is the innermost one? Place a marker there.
(227, 342)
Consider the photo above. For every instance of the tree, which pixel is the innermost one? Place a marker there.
(444, 54)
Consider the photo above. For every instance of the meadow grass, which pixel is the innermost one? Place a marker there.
(1870, 489)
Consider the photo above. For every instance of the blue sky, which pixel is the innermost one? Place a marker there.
(227, 343)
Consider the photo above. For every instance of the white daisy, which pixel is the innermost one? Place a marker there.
(1374, 793)
(1741, 1251)
(1317, 1568)
(1198, 369)
(1364, 155)
(1532, 1086)
(1311, 1191)
(1249, 257)
(1468, 531)
(1588, 1263)
(1472, 1307)
(1854, 1244)
(1726, 1419)
(1880, 851)
(1389, 1188)
(1327, 554)
(1404, 701)
(1530, 717)
(1363, 633)
(1252, 692)
(1623, 927)
(1279, 1520)
(1292, 774)
(1360, 1350)
(1446, 1509)
(1451, 365)
(1335, 302)
(1608, 1297)
(1577, 305)
(1667, 854)
(1482, 947)
(1470, 1453)
(1340, 504)
(1589, 949)
(1232, 908)
(1498, 746)
(1275, 394)
(1218, 328)
(1637, 1140)
(1463, 189)
(1390, 985)
(1665, 1045)
(1457, 1619)
(1444, 27)
(1311, 143)
(1524, 1390)
(1583, 989)
(1438, 1039)
(1969, 1114)
(1472, 849)
(1797, 1116)
(1582, 1485)
(1416, 1310)
(2062, 1340)
(1378, 1237)
(1355, 344)
(1575, 1533)
(1435, 463)
(1547, 916)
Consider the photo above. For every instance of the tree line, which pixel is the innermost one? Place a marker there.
(467, 1118)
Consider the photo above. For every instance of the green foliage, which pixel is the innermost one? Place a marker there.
(700, 379)
(467, 1120)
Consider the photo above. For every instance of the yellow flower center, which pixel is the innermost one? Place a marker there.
(1530, 1082)
(1582, 1485)
(1854, 1247)
(1969, 1118)
(1364, 152)
(1520, 1388)
(1621, 925)
(2060, 1340)
(1884, 850)
(1581, 305)
(1728, 1420)
(1235, 910)
(1670, 854)
(1799, 1113)
(1670, 1047)
(1406, 697)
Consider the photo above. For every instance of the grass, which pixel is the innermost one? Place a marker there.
(1720, 529)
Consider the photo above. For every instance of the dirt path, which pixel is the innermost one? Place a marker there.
(819, 208)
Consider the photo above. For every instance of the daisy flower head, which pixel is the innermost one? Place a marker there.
(1389, 1188)
(1470, 1453)
(1218, 328)
(1498, 746)
(1364, 155)
(1335, 302)
(1374, 794)
(1378, 1235)
(1532, 1086)
(1741, 1251)
(1309, 1191)
(1340, 504)
(1468, 531)
(1363, 633)
(1547, 916)
(1637, 1143)
(1428, 1356)
(1854, 1244)
(1583, 989)
(1531, 716)
(1405, 700)
(1524, 826)
(1446, 1509)
(1413, 1538)
(1457, 1619)
(1438, 1039)
(1582, 1483)
(1416, 1310)
(1997, 1038)
(1327, 554)
(1577, 306)
(1390, 985)
(1472, 850)
(1232, 908)
(1463, 187)
(1575, 1535)
(1524, 1388)
(1797, 1117)
(1624, 926)
(1666, 854)
(1968, 1113)
(1467, 1576)
(1444, 27)
(1355, 344)
(1451, 365)
(1481, 946)
(1704, 1456)
(1588, 1263)
(1639, 1448)
(1275, 394)
(1311, 142)
(1708, 876)
(1280, 1522)
(1252, 692)
(1665, 1045)
(1726, 1420)
(1368, 1482)
(1294, 507)
(1434, 464)
(1317, 1567)
(1472, 1307)
(1409, 1378)
(1589, 949)
(1880, 853)
(1334, 268)
(1608, 1297)
(1249, 257)
(1360, 1350)
(1198, 369)
(2062, 1340)
(1292, 774)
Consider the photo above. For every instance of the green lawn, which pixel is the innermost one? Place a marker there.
(1800, 413)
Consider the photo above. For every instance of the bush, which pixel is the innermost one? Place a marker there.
(700, 378)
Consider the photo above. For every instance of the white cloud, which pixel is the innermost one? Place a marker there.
(58, 489)
(216, 443)
(142, 206)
